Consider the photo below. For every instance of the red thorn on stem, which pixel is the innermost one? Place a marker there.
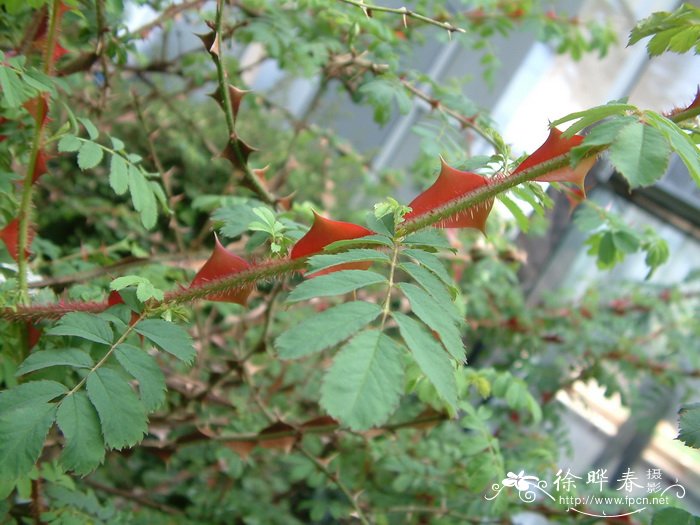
(223, 263)
(452, 184)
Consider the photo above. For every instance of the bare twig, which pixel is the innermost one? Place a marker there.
(405, 12)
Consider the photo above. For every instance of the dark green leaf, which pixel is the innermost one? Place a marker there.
(84, 325)
(383, 225)
(169, 337)
(607, 252)
(673, 516)
(22, 434)
(122, 416)
(430, 356)
(336, 283)
(326, 329)
(428, 311)
(27, 394)
(365, 382)
(84, 449)
(25, 418)
(146, 371)
(689, 423)
(60, 357)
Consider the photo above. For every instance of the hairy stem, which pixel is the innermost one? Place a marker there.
(390, 286)
(27, 185)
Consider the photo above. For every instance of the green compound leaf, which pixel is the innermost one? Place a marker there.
(689, 423)
(169, 337)
(428, 311)
(84, 450)
(89, 155)
(430, 356)
(25, 418)
(640, 153)
(326, 329)
(364, 385)
(337, 283)
(122, 415)
(146, 371)
(62, 357)
(84, 325)
(321, 262)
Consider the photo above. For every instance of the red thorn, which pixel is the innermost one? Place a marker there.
(324, 232)
(452, 184)
(10, 236)
(223, 263)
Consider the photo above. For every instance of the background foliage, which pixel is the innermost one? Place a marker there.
(154, 373)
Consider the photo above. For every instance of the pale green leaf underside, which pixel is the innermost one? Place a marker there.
(432, 263)
(430, 357)
(326, 329)
(428, 311)
(323, 261)
(336, 283)
(434, 287)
